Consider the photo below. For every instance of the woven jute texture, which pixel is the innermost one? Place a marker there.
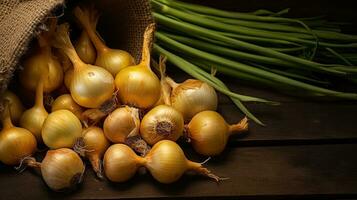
(122, 24)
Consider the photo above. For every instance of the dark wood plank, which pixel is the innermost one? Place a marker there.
(281, 171)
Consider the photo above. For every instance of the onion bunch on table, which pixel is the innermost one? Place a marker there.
(117, 114)
(302, 57)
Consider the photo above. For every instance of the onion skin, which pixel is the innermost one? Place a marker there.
(95, 146)
(121, 163)
(68, 77)
(192, 97)
(122, 123)
(35, 65)
(209, 132)
(15, 143)
(33, 120)
(62, 169)
(16, 107)
(161, 123)
(137, 85)
(61, 129)
(66, 102)
(85, 49)
(114, 60)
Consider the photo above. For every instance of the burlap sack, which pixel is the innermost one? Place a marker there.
(123, 23)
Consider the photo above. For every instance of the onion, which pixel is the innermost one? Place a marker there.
(61, 129)
(40, 61)
(68, 77)
(165, 161)
(95, 145)
(66, 102)
(209, 132)
(161, 123)
(33, 118)
(121, 124)
(15, 143)
(112, 60)
(91, 85)
(138, 86)
(62, 169)
(192, 97)
(15, 105)
(85, 49)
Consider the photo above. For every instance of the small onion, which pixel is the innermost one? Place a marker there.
(192, 97)
(209, 132)
(61, 129)
(62, 169)
(16, 107)
(138, 86)
(91, 86)
(42, 60)
(33, 118)
(112, 60)
(121, 163)
(95, 145)
(66, 102)
(166, 162)
(15, 143)
(85, 49)
(122, 123)
(161, 123)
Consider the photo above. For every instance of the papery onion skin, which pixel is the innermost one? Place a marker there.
(122, 123)
(61, 129)
(137, 85)
(92, 86)
(62, 169)
(68, 77)
(85, 49)
(33, 69)
(95, 145)
(161, 123)
(15, 144)
(209, 132)
(16, 106)
(114, 60)
(33, 120)
(192, 97)
(121, 163)
(66, 102)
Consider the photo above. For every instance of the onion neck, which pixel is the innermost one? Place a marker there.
(148, 38)
(96, 164)
(6, 121)
(171, 82)
(39, 93)
(239, 127)
(78, 64)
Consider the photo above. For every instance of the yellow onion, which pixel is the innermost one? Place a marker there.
(85, 49)
(91, 86)
(166, 162)
(112, 60)
(68, 76)
(209, 132)
(192, 97)
(138, 86)
(95, 145)
(15, 143)
(62, 169)
(121, 163)
(33, 118)
(15, 105)
(40, 61)
(161, 123)
(61, 129)
(66, 102)
(64, 60)
(165, 87)
(121, 124)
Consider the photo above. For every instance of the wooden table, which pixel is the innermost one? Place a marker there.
(307, 149)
